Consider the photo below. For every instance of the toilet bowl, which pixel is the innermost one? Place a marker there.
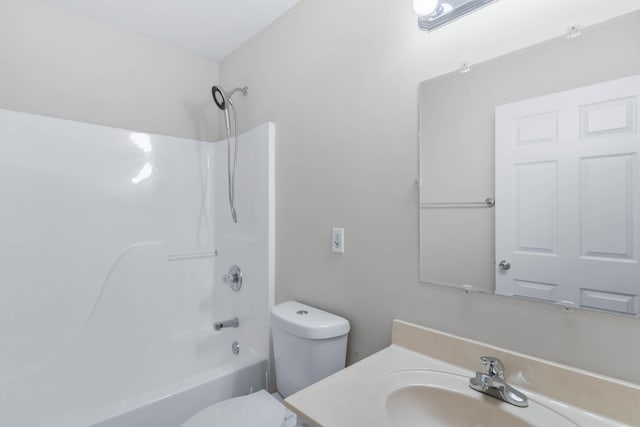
(259, 409)
(309, 344)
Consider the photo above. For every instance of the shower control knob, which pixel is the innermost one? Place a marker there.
(233, 278)
(504, 265)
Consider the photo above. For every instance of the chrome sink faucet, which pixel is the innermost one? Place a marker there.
(493, 384)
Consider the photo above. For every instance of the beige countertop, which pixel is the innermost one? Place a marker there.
(356, 395)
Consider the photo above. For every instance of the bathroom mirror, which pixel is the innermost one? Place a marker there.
(550, 133)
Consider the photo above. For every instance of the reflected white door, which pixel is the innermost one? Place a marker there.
(568, 197)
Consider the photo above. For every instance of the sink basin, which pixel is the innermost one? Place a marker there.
(422, 380)
(439, 399)
(436, 407)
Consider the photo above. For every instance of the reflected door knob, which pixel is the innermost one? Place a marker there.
(504, 265)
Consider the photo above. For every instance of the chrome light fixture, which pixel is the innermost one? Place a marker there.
(433, 14)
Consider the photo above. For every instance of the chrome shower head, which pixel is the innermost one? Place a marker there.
(219, 97)
(223, 101)
(222, 98)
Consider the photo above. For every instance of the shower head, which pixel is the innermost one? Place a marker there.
(223, 101)
(222, 98)
(219, 97)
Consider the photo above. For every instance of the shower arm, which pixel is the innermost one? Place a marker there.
(244, 90)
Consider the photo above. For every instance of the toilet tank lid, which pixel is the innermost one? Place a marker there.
(308, 322)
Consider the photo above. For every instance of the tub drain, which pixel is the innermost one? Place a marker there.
(235, 347)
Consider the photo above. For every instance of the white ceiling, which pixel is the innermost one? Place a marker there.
(212, 28)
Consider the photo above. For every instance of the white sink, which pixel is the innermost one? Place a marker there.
(440, 399)
(422, 379)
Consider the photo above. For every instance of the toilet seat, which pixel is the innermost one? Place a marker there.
(259, 409)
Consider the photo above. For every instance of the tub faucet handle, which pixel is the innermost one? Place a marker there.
(233, 278)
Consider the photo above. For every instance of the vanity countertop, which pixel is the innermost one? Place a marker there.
(356, 396)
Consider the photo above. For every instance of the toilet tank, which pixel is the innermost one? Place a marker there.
(309, 344)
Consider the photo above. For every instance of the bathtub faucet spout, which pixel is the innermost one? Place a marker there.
(231, 323)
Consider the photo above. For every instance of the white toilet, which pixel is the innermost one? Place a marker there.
(308, 345)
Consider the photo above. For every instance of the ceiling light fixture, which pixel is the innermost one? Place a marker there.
(434, 14)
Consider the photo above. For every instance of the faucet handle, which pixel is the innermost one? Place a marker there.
(233, 278)
(494, 366)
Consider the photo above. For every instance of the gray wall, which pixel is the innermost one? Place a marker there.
(340, 79)
(457, 137)
(60, 64)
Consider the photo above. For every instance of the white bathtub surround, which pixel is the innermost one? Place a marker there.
(109, 286)
(556, 392)
(249, 243)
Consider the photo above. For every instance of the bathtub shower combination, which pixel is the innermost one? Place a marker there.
(114, 244)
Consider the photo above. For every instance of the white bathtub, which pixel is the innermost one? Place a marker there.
(177, 402)
(46, 400)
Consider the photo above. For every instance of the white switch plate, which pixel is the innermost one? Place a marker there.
(337, 240)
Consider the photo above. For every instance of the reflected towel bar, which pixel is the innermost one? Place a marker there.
(487, 203)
